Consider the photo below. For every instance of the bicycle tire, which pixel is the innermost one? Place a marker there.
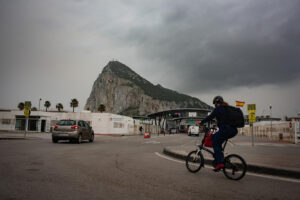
(235, 167)
(194, 161)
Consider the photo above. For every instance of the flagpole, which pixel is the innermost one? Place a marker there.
(240, 104)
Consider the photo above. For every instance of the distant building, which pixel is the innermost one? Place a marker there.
(262, 119)
(41, 121)
(179, 119)
(297, 118)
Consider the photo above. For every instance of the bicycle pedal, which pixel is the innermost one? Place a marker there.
(219, 167)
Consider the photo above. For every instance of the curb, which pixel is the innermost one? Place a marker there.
(255, 168)
(12, 138)
(19, 138)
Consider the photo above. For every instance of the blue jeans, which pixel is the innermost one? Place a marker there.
(218, 138)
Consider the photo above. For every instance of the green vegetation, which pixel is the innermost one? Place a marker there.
(101, 108)
(131, 111)
(127, 84)
(47, 105)
(21, 106)
(74, 103)
(59, 107)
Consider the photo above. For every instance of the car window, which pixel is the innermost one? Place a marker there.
(86, 125)
(66, 123)
(80, 123)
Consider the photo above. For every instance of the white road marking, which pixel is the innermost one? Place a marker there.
(248, 173)
(152, 142)
(274, 177)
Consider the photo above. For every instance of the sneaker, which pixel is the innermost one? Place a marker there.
(219, 167)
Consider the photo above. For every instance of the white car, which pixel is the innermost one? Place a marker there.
(193, 130)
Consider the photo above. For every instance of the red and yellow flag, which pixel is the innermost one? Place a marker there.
(239, 103)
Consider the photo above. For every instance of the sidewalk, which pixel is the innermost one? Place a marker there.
(265, 157)
(5, 135)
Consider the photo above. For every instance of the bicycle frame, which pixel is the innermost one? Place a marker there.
(202, 147)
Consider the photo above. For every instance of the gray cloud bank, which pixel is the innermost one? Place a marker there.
(233, 43)
(195, 46)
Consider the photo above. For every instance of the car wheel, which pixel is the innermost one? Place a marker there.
(54, 140)
(79, 140)
(92, 138)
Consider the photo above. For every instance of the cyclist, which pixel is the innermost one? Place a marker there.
(141, 130)
(225, 131)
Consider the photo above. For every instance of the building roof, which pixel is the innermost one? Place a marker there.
(164, 112)
(140, 117)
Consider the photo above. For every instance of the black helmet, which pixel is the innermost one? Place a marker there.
(218, 99)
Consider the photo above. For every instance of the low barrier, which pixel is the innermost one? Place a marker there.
(282, 131)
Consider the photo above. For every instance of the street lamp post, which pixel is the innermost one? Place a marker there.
(271, 118)
(40, 103)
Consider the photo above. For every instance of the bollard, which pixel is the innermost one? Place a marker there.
(146, 135)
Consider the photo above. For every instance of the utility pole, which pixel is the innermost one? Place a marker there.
(251, 108)
(40, 103)
(252, 134)
(271, 119)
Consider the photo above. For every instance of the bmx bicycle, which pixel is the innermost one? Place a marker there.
(235, 166)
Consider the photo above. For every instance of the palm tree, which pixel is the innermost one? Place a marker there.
(59, 107)
(34, 109)
(47, 105)
(74, 103)
(21, 106)
(101, 108)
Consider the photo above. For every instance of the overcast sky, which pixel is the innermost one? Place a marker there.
(243, 50)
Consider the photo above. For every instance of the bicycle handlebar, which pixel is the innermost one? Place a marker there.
(207, 129)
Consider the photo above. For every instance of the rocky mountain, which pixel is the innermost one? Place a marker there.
(122, 91)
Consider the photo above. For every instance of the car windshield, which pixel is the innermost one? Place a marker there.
(66, 123)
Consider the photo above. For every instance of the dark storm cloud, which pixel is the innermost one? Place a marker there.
(221, 44)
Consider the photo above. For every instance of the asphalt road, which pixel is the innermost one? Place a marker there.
(128, 167)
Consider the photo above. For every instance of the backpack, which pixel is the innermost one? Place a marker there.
(235, 117)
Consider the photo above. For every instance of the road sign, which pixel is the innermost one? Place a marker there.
(251, 108)
(252, 117)
(27, 105)
(26, 112)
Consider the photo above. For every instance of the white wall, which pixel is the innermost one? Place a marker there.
(107, 123)
(263, 129)
(102, 123)
(9, 116)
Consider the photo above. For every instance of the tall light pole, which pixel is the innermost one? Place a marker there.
(271, 118)
(40, 103)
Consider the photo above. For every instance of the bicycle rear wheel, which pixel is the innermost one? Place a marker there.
(235, 167)
(194, 161)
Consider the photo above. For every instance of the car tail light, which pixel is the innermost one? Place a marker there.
(74, 127)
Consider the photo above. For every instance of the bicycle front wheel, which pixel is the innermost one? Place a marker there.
(235, 167)
(194, 161)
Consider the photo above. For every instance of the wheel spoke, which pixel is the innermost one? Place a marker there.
(235, 167)
(194, 161)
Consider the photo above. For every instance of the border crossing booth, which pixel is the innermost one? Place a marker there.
(178, 120)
